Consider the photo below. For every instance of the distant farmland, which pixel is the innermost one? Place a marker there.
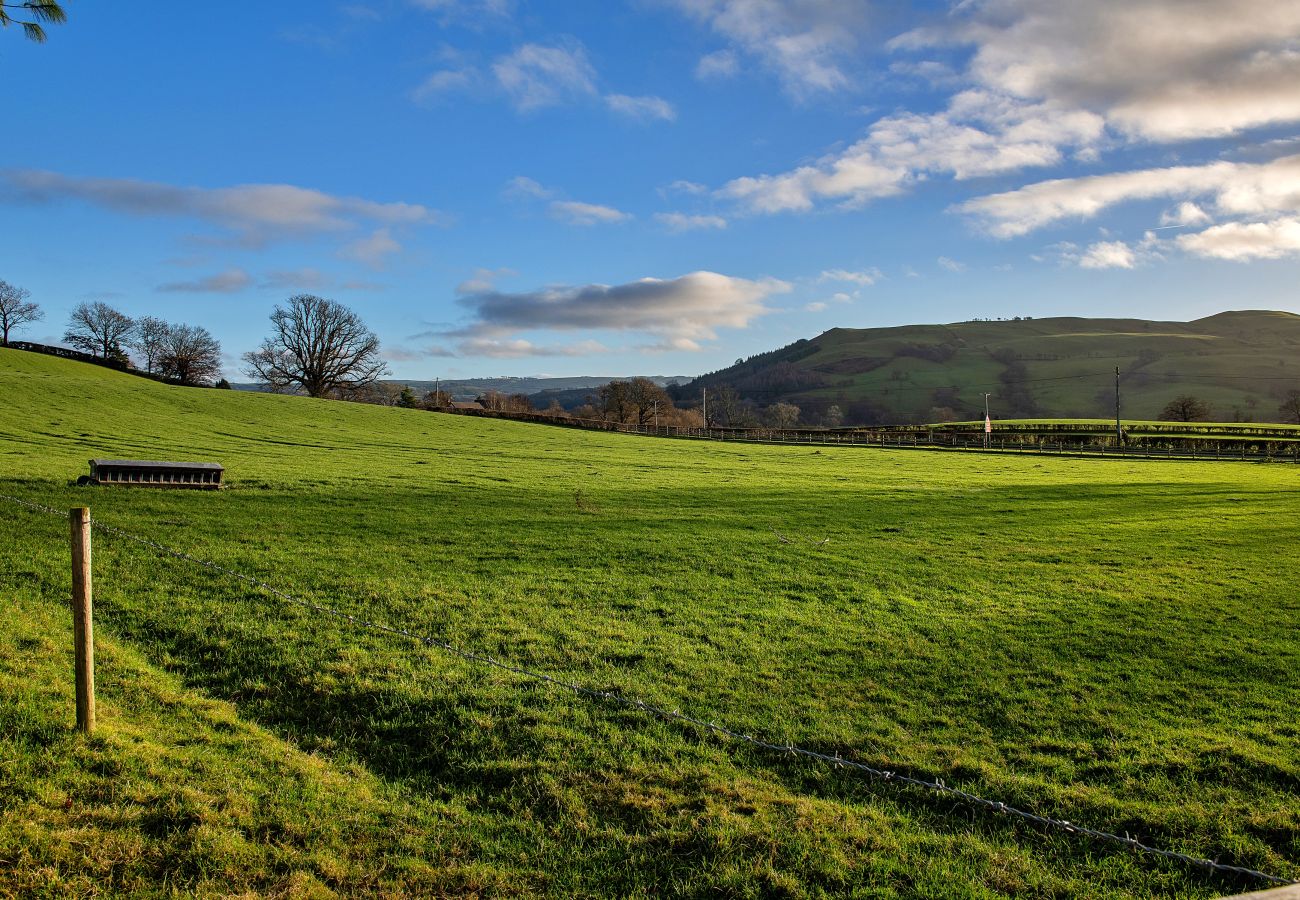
(1111, 642)
(1241, 364)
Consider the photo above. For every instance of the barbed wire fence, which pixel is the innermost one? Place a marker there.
(936, 785)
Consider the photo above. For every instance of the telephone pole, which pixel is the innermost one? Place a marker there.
(1119, 429)
(988, 427)
(706, 407)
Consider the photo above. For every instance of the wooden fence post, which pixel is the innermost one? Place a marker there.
(83, 634)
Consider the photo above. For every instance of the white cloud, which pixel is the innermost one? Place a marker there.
(575, 212)
(677, 222)
(951, 265)
(374, 249)
(536, 76)
(810, 45)
(687, 187)
(677, 313)
(483, 280)
(523, 188)
(230, 281)
(1234, 188)
(865, 278)
(719, 64)
(444, 82)
(816, 307)
(1157, 70)
(643, 108)
(257, 212)
(1187, 213)
(1108, 255)
(979, 134)
(1243, 241)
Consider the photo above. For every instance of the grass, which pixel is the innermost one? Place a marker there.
(1107, 641)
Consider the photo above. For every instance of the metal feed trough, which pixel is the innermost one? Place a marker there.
(150, 473)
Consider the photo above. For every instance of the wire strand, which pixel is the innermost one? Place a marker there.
(937, 785)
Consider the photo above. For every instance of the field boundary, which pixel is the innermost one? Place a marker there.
(935, 785)
(1270, 449)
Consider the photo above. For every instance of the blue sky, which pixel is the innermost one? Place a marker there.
(651, 186)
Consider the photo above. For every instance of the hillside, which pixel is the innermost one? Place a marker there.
(1241, 363)
(1107, 642)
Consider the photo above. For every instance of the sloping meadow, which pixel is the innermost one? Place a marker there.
(1110, 642)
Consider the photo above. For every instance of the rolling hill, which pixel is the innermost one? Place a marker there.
(1241, 363)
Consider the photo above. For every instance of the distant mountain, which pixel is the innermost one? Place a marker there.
(1241, 363)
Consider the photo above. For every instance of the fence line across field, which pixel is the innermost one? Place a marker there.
(938, 440)
(937, 785)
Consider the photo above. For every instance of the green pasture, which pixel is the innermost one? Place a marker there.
(1113, 642)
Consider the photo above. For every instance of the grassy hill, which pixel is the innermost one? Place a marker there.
(1109, 642)
(1241, 363)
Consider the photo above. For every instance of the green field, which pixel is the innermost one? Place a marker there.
(1112, 642)
(1241, 364)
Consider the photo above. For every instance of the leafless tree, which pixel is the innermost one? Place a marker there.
(98, 329)
(319, 346)
(781, 415)
(646, 398)
(1290, 406)
(149, 339)
(1185, 408)
(34, 13)
(15, 311)
(190, 355)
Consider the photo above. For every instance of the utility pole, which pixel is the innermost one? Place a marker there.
(988, 423)
(656, 415)
(1119, 429)
(437, 391)
(706, 407)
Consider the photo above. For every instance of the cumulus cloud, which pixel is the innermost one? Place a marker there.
(719, 64)
(230, 281)
(374, 249)
(257, 212)
(483, 280)
(1159, 70)
(1186, 213)
(865, 277)
(1238, 189)
(1243, 241)
(810, 45)
(951, 265)
(979, 134)
(642, 108)
(674, 313)
(1108, 255)
(523, 188)
(536, 76)
(677, 222)
(575, 212)
(683, 186)
(1047, 82)
(816, 307)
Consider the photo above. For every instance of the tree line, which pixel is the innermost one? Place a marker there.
(321, 348)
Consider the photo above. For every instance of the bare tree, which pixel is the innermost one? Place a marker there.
(15, 311)
(1290, 406)
(646, 398)
(98, 329)
(149, 339)
(319, 346)
(782, 415)
(190, 355)
(1185, 408)
(37, 12)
